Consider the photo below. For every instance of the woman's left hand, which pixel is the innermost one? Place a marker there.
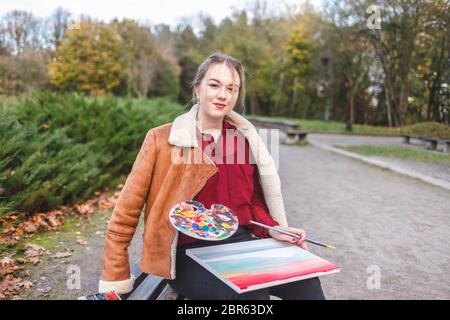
(284, 237)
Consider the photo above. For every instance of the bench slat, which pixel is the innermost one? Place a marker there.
(149, 289)
(168, 294)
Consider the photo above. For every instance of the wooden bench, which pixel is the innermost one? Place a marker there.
(292, 136)
(291, 128)
(275, 124)
(148, 287)
(430, 143)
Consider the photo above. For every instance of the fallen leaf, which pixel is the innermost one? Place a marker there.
(9, 287)
(6, 260)
(33, 250)
(8, 266)
(37, 218)
(45, 226)
(106, 203)
(30, 227)
(45, 290)
(84, 209)
(26, 284)
(60, 255)
(82, 242)
(35, 260)
(9, 218)
(52, 221)
(9, 231)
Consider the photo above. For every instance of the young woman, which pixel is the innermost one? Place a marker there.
(190, 159)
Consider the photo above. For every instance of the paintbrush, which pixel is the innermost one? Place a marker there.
(292, 234)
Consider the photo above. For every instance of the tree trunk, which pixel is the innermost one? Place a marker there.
(388, 107)
(403, 102)
(294, 98)
(280, 88)
(253, 104)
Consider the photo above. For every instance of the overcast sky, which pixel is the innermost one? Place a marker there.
(153, 11)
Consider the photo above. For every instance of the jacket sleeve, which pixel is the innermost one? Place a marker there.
(124, 220)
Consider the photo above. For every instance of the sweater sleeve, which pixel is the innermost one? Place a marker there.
(260, 212)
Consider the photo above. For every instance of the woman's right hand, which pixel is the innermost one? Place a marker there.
(287, 238)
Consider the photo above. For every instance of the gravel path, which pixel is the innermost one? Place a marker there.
(375, 218)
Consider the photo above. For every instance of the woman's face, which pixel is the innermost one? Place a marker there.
(218, 91)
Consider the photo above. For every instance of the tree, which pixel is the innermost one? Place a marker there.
(298, 65)
(58, 23)
(188, 55)
(139, 56)
(21, 31)
(252, 46)
(394, 45)
(432, 71)
(88, 59)
(23, 72)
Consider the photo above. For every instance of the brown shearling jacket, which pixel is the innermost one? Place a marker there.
(170, 168)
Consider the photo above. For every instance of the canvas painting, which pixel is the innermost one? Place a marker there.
(256, 264)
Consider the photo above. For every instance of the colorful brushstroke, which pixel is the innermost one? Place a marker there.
(262, 263)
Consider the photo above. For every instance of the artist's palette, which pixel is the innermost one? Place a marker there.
(192, 218)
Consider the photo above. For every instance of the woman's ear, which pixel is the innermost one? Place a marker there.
(196, 98)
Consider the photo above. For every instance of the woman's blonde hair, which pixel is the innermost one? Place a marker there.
(232, 63)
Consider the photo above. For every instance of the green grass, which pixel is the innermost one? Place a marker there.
(401, 153)
(428, 129)
(67, 232)
(319, 126)
(301, 143)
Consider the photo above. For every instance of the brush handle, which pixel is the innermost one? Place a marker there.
(290, 234)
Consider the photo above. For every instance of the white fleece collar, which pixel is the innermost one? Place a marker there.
(183, 130)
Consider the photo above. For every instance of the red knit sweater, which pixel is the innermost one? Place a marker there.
(235, 184)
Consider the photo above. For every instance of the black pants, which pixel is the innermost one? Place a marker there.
(195, 282)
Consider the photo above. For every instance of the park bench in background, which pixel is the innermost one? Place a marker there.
(431, 143)
(148, 287)
(290, 128)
